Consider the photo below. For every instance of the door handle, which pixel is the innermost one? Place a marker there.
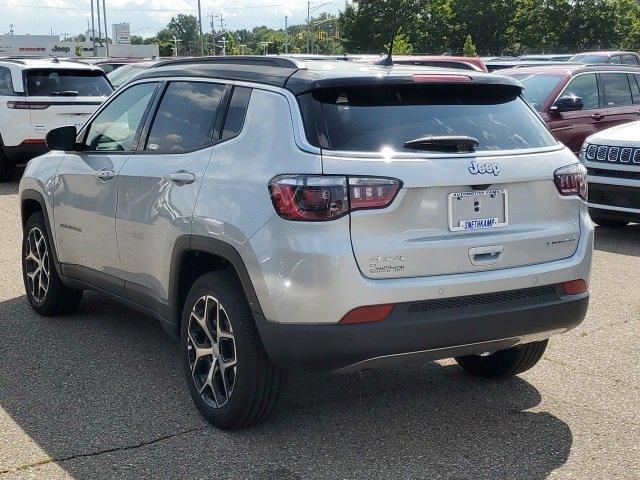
(597, 116)
(182, 177)
(105, 174)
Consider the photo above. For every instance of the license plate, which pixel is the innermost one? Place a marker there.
(479, 210)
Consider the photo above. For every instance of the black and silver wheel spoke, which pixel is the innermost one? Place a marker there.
(212, 351)
(37, 265)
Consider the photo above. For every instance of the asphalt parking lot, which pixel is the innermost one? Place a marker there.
(99, 394)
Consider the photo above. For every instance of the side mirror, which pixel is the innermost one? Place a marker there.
(62, 138)
(567, 103)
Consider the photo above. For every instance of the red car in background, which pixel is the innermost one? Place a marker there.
(576, 101)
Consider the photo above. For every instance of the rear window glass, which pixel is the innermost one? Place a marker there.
(67, 83)
(6, 83)
(386, 116)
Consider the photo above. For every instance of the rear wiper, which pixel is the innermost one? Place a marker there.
(444, 143)
(65, 93)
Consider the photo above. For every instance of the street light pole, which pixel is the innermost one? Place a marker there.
(104, 16)
(286, 35)
(200, 28)
(93, 29)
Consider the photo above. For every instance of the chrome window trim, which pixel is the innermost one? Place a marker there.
(597, 72)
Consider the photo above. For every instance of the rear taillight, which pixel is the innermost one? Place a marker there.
(327, 197)
(572, 180)
(28, 105)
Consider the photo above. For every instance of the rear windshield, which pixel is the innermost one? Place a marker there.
(70, 83)
(370, 118)
(537, 86)
(589, 59)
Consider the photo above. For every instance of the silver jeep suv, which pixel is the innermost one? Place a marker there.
(277, 215)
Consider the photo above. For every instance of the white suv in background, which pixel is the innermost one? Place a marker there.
(612, 158)
(38, 95)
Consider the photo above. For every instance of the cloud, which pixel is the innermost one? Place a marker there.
(147, 17)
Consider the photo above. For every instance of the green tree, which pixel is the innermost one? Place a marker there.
(401, 45)
(469, 48)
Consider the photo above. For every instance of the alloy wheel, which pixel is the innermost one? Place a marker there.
(211, 348)
(37, 265)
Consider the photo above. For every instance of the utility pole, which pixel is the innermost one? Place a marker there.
(308, 26)
(286, 36)
(175, 46)
(99, 23)
(93, 29)
(213, 31)
(224, 41)
(104, 16)
(200, 29)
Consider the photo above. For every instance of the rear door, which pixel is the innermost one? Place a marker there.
(158, 186)
(63, 96)
(571, 128)
(456, 213)
(618, 99)
(86, 191)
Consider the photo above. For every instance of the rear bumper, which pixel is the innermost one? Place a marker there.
(21, 154)
(427, 330)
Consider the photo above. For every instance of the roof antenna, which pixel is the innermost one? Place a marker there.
(388, 61)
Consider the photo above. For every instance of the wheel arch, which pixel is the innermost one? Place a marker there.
(195, 255)
(32, 201)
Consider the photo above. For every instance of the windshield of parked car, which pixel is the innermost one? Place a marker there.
(537, 86)
(67, 83)
(589, 59)
(125, 73)
(372, 118)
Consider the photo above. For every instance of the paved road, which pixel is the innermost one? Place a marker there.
(99, 394)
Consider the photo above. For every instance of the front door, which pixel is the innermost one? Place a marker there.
(571, 128)
(158, 186)
(86, 188)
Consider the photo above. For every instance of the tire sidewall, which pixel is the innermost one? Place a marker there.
(37, 221)
(221, 286)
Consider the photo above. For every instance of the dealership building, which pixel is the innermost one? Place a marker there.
(53, 46)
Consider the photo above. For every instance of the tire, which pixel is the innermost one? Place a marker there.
(46, 293)
(608, 222)
(504, 363)
(246, 390)
(7, 168)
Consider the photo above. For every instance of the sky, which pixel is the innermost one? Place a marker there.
(41, 17)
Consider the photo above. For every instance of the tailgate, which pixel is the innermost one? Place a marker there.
(58, 112)
(447, 220)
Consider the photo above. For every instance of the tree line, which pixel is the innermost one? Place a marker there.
(489, 27)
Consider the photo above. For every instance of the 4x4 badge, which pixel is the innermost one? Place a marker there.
(477, 168)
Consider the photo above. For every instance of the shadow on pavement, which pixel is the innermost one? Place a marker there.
(101, 391)
(9, 188)
(624, 241)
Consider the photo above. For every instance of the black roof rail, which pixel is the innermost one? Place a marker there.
(253, 60)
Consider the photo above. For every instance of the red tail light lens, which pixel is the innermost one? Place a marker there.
(368, 314)
(310, 198)
(28, 105)
(372, 192)
(326, 197)
(572, 180)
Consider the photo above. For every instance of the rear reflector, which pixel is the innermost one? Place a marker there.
(368, 314)
(442, 78)
(34, 141)
(574, 287)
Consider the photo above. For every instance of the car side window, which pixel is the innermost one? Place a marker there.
(235, 114)
(634, 81)
(630, 60)
(616, 59)
(617, 92)
(586, 87)
(6, 82)
(185, 118)
(115, 127)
